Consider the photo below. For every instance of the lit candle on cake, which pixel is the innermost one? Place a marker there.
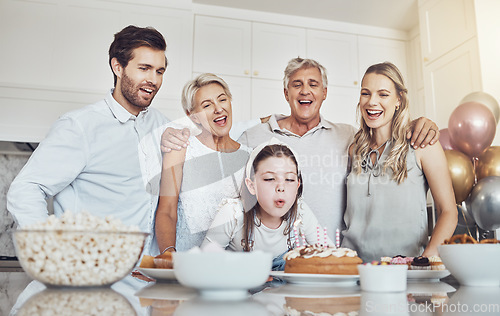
(337, 238)
(325, 236)
(317, 236)
(303, 239)
(296, 233)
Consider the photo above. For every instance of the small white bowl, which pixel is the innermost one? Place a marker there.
(472, 264)
(222, 275)
(382, 278)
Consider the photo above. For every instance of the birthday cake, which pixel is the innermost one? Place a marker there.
(317, 259)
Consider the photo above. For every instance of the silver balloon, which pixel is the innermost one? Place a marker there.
(465, 217)
(485, 203)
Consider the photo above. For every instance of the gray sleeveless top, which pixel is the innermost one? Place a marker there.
(384, 218)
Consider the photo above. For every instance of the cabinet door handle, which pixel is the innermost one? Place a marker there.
(255, 73)
(247, 72)
(355, 83)
(426, 59)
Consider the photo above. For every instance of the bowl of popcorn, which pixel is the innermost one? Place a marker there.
(78, 250)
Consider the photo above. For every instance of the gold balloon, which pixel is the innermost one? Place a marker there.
(488, 163)
(461, 172)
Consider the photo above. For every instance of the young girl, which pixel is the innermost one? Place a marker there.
(270, 213)
(386, 212)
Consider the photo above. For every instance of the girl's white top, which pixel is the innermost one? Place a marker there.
(227, 229)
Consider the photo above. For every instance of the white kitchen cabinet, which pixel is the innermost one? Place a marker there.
(450, 78)
(63, 62)
(459, 53)
(374, 50)
(268, 98)
(251, 58)
(340, 105)
(444, 25)
(415, 79)
(273, 46)
(338, 53)
(245, 48)
(222, 46)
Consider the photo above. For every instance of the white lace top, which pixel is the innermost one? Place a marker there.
(208, 177)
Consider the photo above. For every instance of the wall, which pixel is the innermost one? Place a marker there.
(55, 57)
(10, 165)
(488, 30)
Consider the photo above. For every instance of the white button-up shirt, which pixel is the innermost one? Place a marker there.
(100, 159)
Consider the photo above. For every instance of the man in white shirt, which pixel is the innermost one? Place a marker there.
(103, 158)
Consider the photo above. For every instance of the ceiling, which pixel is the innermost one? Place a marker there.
(395, 14)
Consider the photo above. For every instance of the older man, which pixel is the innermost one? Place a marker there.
(321, 145)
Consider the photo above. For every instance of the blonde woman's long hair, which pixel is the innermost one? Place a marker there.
(396, 159)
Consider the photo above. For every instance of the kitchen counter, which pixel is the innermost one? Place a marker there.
(131, 296)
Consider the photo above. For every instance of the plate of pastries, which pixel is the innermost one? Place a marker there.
(160, 268)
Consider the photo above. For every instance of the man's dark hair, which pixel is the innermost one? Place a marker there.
(131, 38)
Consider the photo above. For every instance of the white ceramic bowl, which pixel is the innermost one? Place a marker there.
(222, 275)
(78, 258)
(382, 278)
(472, 264)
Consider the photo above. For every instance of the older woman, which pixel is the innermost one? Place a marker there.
(197, 178)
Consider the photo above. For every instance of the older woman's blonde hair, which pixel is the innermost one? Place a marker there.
(396, 159)
(192, 86)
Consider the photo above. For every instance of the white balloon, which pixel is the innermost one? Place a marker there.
(486, 99)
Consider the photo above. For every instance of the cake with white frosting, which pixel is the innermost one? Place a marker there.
(317, 259)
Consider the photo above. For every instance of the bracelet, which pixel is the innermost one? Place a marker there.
(169, 247)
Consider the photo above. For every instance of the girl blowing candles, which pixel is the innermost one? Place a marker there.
(386, 212)
(270, 205)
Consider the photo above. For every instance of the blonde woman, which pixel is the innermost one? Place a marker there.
(386, 213)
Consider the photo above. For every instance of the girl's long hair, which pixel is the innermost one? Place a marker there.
(396, 159)
(251, 205)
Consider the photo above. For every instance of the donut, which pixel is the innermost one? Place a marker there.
(490, 241)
